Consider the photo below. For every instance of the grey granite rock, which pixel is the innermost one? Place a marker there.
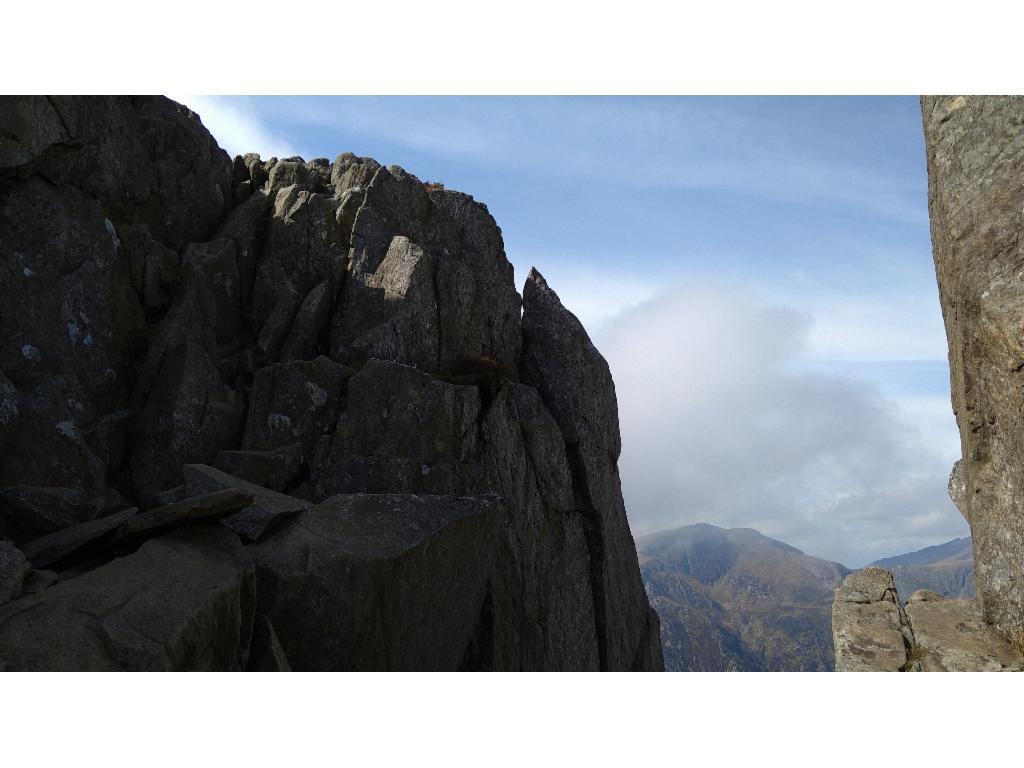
(975, 152)
(869, 627)
(951, 636)
(575, 383)
(934, 634)
(379, 582)
(209, 506)
(54, 548)
(181, 602)
(294, 402)
(309, 327)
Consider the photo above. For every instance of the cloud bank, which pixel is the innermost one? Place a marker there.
(723, 423)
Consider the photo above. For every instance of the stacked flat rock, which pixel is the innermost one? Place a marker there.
(283, 414)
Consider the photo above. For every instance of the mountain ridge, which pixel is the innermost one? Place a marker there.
(735, 599)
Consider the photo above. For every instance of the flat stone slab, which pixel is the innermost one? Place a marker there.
(253, 521)
(210, 506)
(58, 546)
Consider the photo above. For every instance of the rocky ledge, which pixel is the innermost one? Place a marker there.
(873, 632)
(284, 414)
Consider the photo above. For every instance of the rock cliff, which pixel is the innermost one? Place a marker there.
(975, 149)
(286, 414)
(975, 152)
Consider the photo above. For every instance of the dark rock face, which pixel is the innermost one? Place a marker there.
(574, 381)
(239, 350)
(14, 569)
(181, 602)
(975, 149)
(379, 582)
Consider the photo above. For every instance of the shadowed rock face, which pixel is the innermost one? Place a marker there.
(975, 149)
(194, 343)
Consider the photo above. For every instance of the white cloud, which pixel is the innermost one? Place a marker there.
(237, 127)
(721, 424)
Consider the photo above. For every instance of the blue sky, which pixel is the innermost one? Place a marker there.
(757, 270)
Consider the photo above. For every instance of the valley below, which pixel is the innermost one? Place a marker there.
(736, 600)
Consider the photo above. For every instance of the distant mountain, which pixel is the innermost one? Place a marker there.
(736, 600)
(947, 569)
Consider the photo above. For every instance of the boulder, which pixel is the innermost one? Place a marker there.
(54, 548)
(349, 172)
(365, 582)
(181, 602)
(209, 506)
(267, 509)
(870, 630)
(391, 313)
(429, 284)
